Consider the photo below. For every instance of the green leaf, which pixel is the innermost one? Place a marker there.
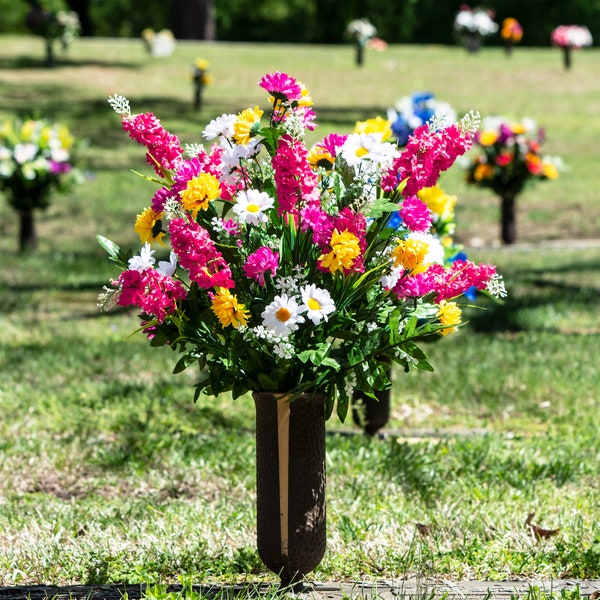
(111, 248)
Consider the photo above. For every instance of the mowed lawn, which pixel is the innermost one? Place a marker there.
(109, 473)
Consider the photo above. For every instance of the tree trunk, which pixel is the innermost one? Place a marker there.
(193, 19)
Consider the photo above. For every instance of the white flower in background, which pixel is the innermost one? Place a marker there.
(317, 303)
(361, 147)
(282, 316)
(251, 205)
(25, 152)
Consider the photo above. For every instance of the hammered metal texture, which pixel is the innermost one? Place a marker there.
(307, 515)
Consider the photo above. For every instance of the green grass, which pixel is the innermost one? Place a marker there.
(109, 473)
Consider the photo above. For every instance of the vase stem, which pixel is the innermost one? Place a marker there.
(283, 442)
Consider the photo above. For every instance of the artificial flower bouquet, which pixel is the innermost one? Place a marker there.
(472, 25)
(571, 36)
(62, 25)
(510, 156)
(511, 31)
(36, 157)
(361, 31)
(278, 267)
(413, 111)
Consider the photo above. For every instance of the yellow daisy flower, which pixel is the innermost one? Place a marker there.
(247, 125)
(145, 225)
(487, 138)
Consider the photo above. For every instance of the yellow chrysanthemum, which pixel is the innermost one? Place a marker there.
(449, 315)
(487, 138)
(145, 224)
(201, 63)
(438, 201)
(483, 171)
(344, 251)
(550, 170)
(247, 125)
(411, 254)
(518, 128)
(228, 311)
(376, 125)
(199, 192)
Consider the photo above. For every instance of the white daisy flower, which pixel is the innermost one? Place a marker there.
(360, 147)
(250, 207)
(317, 303)
(25, 152)
(144, 261)
(221, 126)
(282, 316)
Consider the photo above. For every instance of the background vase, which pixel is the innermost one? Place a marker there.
(508, 225)
(290, 484)
(371, 414)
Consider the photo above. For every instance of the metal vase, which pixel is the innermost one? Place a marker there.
(290, 484)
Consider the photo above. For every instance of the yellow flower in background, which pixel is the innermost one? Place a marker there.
(550, 170)
(376, 125)
(247, 125)
(449, 315)
(145, 224)
(199, 192)
(344, 251)
(438, 202)
(201, 63)
(227, 310)
(487, 138)
(518, 128)
(483, 171)
(65, 137)
(27, 130)
(410, 254)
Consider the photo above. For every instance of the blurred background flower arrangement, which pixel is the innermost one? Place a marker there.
(473, 25)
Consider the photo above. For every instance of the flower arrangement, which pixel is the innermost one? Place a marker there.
(361, 32)
(511, 33)
(571, 36)
(284, 272)
(161, 43)
(36, 158)
(62, 26)
(509, 158)
(413, 111)
(472, 25)
(201, 78)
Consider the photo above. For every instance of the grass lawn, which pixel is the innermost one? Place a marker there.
(110, 473)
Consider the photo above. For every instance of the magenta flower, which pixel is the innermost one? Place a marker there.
(153, 293)
(282, 86)
(198, 255)
(426, 155)
(295, 181)
(416, 214)
(259, 262)
(163, 148)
